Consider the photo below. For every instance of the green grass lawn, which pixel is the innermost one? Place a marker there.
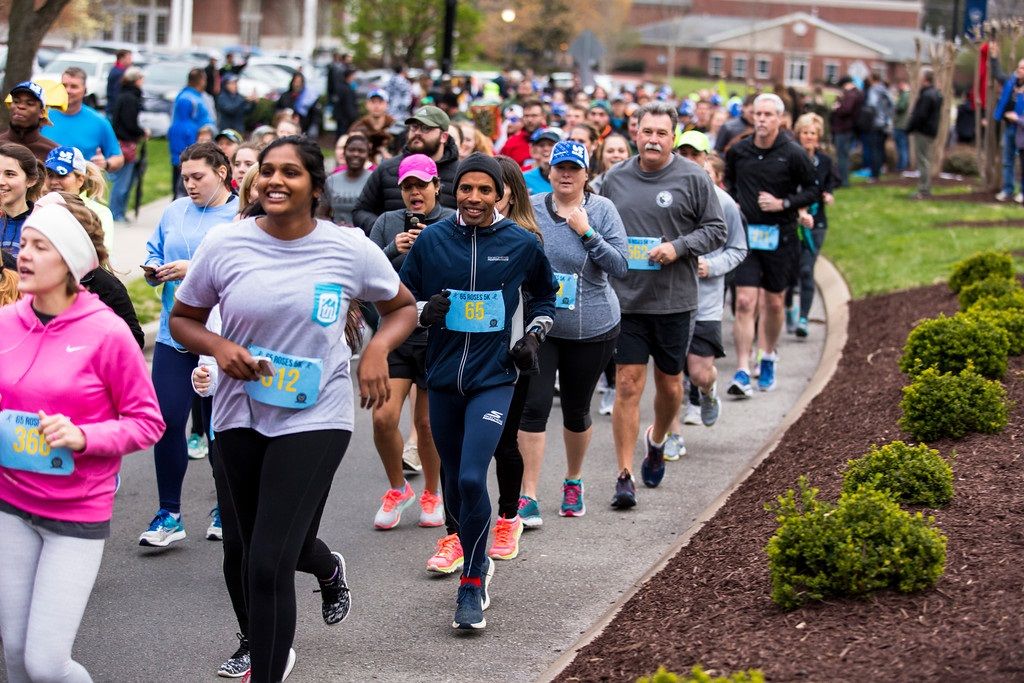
(882, 241)
(157, 181)
(146, 300)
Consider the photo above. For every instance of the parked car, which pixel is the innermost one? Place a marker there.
(96, 66)
(162, 81)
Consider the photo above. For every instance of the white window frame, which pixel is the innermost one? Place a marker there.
(720, 57)
(736, 61)
(880, 69)
(825, 69)
(757, 67)
(796, 60)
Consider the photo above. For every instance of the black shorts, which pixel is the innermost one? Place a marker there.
(662, 336)
(707, 339)
(772, 271)
(409, 361)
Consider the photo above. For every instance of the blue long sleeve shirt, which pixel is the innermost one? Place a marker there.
(1004, 101)
(188, 116)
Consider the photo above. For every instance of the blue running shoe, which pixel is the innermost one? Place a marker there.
(470, 611)
(163, 530)
(802, 328)
(572, 499)
(652, 469)
(740, 387)
(766, 382)
(215, 531)
(792, 313)
(625, 492)
(529, 512)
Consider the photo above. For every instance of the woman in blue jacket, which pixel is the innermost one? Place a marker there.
(470, 271)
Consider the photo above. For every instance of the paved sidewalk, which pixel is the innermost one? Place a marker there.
(130, 240)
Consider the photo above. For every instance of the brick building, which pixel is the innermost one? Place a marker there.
(797, 42)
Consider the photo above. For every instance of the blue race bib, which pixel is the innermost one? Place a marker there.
(763, 237)
(567, 286)
(23, 447)
(295, 382)
(639, 250)
(476, 311)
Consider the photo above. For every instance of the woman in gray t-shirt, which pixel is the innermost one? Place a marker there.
(283, 413)
(344, 187)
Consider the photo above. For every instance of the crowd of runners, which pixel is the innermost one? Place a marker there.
(475, 286)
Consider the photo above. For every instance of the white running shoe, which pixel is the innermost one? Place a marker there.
(692, 416)
(393, 504)
(607, 402)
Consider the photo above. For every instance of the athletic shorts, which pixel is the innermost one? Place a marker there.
(707, 339)
(662, 336)
(772, 271)
(409, 361)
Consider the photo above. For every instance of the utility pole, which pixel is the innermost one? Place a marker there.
(450, 8)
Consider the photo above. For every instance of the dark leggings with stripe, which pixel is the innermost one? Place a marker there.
(466, 432)
(275, 488)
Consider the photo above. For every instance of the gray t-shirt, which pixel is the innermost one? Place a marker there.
(283, 296)
(342, 193)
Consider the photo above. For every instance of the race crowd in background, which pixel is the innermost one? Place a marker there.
(483, 248)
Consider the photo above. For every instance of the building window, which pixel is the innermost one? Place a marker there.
(716, 64)
(831, 72)
(878, 71)
(763, 67)
(797, 69)
(144, 22)
(739, 66)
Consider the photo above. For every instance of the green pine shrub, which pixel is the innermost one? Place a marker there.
(980, 266)
(864, 543)
(1006, 302)
(994, 286)
(940, 404)
(698, 675)
(911, 475)
(1010, 320)
(949, 344)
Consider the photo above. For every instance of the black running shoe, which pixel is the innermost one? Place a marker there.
(337, 600)
(625, 491)
(238, 663)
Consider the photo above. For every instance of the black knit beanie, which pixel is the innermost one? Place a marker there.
(481, 163)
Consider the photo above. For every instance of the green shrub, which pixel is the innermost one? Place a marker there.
(1010, 320)
(864, 543)
(698, 675)
(912, 475)
(1006, 302)
(980, 266)
(961, 163)
(946, 404)
(992, 286)
(949, 344)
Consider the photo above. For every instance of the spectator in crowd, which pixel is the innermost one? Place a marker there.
(346, 109)
(376, 125)
(518, 146)
(187, 117)
(737, 127)
(541, 144)
(116, 74)
(399, 91)
(212, 87)
(302, 100)
(899, 126)
(83, 127)
(27, 106)
(923, 127)
(232, 106)
(124, 116)
(347, 182)
(881, 103)
(1008, 111)
(600, 116)
(230, 68)
(844, 119)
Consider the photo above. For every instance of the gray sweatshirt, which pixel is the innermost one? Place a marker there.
(596, 310)
(392, 223)
(677, 204)
(711, 289)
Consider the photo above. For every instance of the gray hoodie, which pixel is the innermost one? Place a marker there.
(711, 289)
(390, 224)
(677, 204)
(596, 310)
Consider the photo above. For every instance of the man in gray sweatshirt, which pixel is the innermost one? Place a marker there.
(672, 215)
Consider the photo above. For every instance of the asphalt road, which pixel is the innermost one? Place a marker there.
(165, 616)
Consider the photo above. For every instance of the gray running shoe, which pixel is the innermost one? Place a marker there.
(710, 406)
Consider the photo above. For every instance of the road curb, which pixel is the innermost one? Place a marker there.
(835, 296)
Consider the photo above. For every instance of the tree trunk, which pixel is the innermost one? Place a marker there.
(27, 26)
(943, 65)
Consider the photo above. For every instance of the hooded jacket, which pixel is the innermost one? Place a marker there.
(381, 191)
(502, 256)
(784, 170)
(86, 365)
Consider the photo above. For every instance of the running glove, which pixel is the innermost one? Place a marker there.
(525, 354)
(435, 309)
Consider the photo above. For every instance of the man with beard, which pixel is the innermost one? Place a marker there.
(426, 133)
(517, 146)
(28, 115)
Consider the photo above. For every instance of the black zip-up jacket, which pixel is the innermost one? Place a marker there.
(113, 293)
(828, 180)
(784, 170)
(381, 191)
(126, 114)
(924, 118)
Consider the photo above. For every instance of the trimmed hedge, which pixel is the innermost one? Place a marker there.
(946, 404)
(980, 266)
(1010, 320)
(992, 286)
(698, 675)
(912, 475)
(949, 344)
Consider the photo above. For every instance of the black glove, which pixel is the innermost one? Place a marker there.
(436, 309)
(525, 351)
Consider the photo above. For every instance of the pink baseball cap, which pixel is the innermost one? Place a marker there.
(418, 166)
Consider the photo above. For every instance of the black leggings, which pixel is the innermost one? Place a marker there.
(579, 365)
(275, 489)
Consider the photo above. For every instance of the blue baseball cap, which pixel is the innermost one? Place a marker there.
(378, 93)
(571, 151)
(552, 134)
(30, 87)
(64, 160)
(686, 107)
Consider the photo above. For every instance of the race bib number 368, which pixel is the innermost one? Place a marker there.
(23, 447)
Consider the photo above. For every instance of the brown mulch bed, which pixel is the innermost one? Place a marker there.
(711, 604)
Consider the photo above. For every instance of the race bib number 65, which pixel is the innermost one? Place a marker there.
(476, 311)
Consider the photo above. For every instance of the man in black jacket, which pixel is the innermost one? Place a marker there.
(770, 177)
(427, 134)
(923, 126)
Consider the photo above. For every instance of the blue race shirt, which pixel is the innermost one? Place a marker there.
(535, 182)
(87, 130)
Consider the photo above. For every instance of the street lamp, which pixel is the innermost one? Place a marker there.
(508, 15)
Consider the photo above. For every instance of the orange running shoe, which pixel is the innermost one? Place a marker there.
(393, 503)
(448, 557)
(506, 538)
(431, 510)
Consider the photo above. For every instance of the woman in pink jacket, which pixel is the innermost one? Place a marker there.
(75, 396)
